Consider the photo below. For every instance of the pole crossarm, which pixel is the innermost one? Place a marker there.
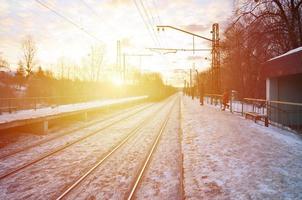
(137, 55)
(215, 81)
(173, 49)
(184, 31)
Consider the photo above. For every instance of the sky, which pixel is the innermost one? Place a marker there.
(83, 24)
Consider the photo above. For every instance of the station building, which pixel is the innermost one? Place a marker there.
(284, 86)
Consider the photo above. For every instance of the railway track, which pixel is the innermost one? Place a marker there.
(180, 136)
(117, 147)
(35, 144)
(148, 158)
(142, 177)
(15, 170)
(162, 178)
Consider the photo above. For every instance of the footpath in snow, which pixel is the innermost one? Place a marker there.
(49, 111)
(229, 157)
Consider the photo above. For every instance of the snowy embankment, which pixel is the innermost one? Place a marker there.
(49, 111)
(228, 157)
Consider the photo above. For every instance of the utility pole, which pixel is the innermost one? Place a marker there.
(118, 57)
(184, 88)
(191, 86)
(124, 67)
(215, 81)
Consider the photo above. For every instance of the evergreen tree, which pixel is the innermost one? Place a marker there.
(20, 74)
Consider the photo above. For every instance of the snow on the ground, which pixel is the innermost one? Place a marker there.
(49, 111)
(228, 157)
(113, 179)
(163, 175)
(19, 140)
(47, 178)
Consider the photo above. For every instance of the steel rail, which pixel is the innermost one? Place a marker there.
(147, 160)
(130, 134)
(180, 137)
(12, 153)
(66, 145)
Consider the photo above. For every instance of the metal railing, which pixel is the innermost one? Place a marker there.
(286, 115)
(213, 99)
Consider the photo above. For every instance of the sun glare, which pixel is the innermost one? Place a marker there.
(117, 81)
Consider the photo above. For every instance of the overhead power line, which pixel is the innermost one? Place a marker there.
(145, 22)
(159, 20)
(67, 20)
(150, 20)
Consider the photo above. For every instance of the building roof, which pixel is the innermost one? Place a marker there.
(286, 64)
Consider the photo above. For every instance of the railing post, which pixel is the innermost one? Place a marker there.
(35, 103)
(9, 106)
(268, 111)
(241, 108)
(231, 105)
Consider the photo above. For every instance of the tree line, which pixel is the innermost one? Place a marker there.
(31, 80)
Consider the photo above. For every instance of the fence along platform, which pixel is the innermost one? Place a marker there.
(286, 115)
(40, 117)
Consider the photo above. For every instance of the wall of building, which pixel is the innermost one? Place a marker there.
(286, 89)
(290, 88)
(272, 89)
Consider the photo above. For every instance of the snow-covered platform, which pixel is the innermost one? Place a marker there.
(43, 115)
(228, 157)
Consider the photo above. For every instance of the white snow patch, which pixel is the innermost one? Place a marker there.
(287, 53)
(49, 111)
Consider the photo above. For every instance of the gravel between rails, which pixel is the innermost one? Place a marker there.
(162, 179)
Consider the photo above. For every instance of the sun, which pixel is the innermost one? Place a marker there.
(117, 81)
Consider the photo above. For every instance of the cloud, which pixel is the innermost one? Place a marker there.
(6, 22)
(109, 20)
(126, 42)
(119, 2)
(196, 27)
(4, 8)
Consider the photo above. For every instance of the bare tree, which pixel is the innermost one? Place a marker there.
(280, 22)
(96, 59)
(29, 54)
(259, 31)
(3, 63)
(20, 74)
